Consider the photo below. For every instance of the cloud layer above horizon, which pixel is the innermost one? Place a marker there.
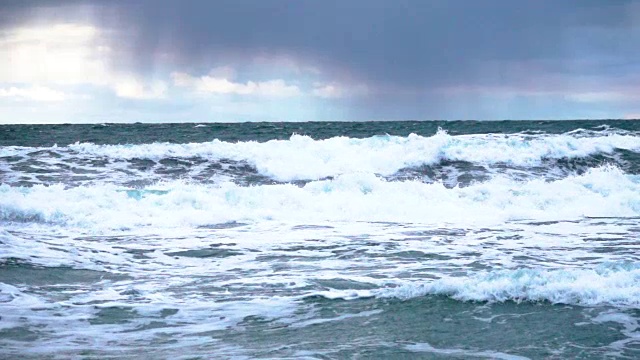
(304, 60)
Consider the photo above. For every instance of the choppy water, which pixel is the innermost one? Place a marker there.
(501, 240)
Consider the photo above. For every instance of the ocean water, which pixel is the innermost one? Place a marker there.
(506, 240)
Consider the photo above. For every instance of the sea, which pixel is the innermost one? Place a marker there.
(321, 240)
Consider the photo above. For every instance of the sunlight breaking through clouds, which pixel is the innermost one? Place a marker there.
(36, 93)
(64, 55)
(59, 54)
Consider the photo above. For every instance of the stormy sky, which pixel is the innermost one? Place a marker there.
(305, 60)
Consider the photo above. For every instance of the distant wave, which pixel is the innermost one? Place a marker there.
(303, 158)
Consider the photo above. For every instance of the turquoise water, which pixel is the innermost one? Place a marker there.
(385, 240)
(139, 133)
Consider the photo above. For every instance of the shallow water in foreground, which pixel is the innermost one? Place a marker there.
(500, 240)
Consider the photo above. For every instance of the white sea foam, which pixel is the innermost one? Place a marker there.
(607, 284)
(302, 157)
(601, 192)
(613, 284)
(357, 235)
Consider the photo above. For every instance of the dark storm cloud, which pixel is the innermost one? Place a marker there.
(403, 42)
(412, 44)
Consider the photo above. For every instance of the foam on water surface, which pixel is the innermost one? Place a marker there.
(236, 248)
(303, 158)
(601, 192)
(610, 284)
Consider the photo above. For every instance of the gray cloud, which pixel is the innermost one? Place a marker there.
(406, 40)
(403, 45)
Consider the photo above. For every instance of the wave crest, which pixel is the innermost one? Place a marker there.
(601, 192)
(608, 284)
(303, 158)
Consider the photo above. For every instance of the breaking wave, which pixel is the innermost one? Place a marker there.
(607, 284)
(303, 158)
(600, 192)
